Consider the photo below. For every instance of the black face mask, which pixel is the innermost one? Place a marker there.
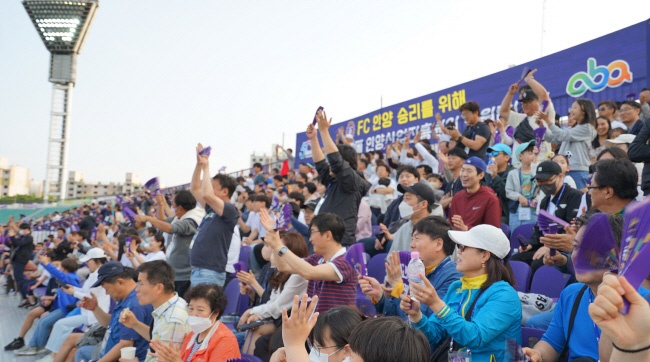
(549, 189)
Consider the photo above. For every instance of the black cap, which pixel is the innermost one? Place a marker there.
(239, 178)
(108, 270)
(310, 205)
(527, 95)
(420, 189)
(546, 170)
(24, 226)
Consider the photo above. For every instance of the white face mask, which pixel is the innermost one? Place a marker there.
(21, 232)
(314, 357)
(405, 210)
(199, 324)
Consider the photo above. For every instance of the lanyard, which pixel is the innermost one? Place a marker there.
(596, 329)
(559, 197)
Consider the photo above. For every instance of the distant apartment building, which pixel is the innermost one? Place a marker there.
(78, 188)
(14, 180)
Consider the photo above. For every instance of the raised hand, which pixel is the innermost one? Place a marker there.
(323, 123)
(393, 269)
(311, 132)
(370, 287)
(295, 329)
(514, 87)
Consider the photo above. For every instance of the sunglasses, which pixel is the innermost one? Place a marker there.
(461, 248)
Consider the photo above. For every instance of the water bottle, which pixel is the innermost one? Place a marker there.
(491, 161)
(414, 269)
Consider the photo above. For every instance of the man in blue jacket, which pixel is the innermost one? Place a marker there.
(431, 240)
(63, 303)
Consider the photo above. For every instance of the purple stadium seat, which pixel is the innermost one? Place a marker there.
(530, 336)
(522, 274)
(526, 230)
(506, 229)
(548, 281)
(377, 267)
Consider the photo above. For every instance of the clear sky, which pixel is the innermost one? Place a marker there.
(156, 77)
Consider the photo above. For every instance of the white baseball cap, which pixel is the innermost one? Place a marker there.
(486, 237)
(624, 138)
(618, 124)
(94, 253)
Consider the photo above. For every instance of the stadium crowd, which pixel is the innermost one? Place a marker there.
(266, 266)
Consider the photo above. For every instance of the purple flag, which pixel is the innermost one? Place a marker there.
(153, 186)
(354, 256)
(539, 135)
(524, 73)
(633, 261)
(283, 221)
(206, 151)
(597, 250)
(630, 97)
(129, 213)
(515, 352)
(320, 108)
(544, 220)
(275, 203)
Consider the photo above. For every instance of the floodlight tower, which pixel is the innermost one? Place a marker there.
(63, 26)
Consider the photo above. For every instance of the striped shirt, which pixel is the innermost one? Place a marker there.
(333, 294)
(169, 323)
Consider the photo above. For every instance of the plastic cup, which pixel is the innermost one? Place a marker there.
(128, 352)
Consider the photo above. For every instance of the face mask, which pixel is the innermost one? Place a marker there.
(21, 232)
(405, 210)
(199, 324)
(314, 357)
(548, 189)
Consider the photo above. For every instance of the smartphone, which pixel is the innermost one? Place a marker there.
(544, 105)
(245, 327)
(522, 241)
(450, 126)
(61, 284)
(127, 241)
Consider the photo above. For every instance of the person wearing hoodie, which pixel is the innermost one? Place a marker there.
(496, 175)
(475, 204)
(181, 228)
(345, 185)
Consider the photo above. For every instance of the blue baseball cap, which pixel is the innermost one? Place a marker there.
(108, 270)
(500, 147)
(476, 162)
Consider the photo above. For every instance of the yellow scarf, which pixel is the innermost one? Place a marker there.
(473, 283)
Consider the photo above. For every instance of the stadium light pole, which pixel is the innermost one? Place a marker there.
(62, 26)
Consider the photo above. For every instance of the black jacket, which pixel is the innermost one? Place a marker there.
(567, 210)
(88, 223)
(639, 151)
(498, 184)
(344, 192)
(21, 248)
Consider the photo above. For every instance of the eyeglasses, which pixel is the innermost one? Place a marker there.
(464, 115)
(319, 350)
(595, 187)
(602, 109)
(461, 248)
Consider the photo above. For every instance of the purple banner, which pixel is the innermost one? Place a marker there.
(608, 67)
(598, 248)
(354, 256)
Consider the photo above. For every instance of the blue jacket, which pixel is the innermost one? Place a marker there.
(496, 318)
(441, 278)
(62, 299)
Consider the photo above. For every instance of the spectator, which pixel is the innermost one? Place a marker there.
(500, 133)
(623, 142)
(483, 311)
(432, 242)
(182, 228)
(279, 292)
(624, 335)
(607, 109)
(345, 185)
(521, 189)
(577, 139)
(455, 159)
(156, 288)
(475, 204)
(563, 161)
(561, 200)
(418, 203)
(613, 185)
(398, 341)
(310, 192)
(95, 258)
(639, 151)
(57, 310)
(22, 246)
(209, 340)
(209, 252)
(617, 128)
(155, 251)
(120, 285)
(406, 176)
(496, 175)
(474, 139)
(88, 222)
(422, 154)
(530, 97)
(258, 174)
(330, 275)
(381, 195)
(630, 113)
(603, 128)
(577, 342)
(364, 221)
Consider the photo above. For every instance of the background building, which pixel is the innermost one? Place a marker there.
(14, 180)
(78, 188)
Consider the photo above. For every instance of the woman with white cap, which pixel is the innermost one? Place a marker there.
(481, 311)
